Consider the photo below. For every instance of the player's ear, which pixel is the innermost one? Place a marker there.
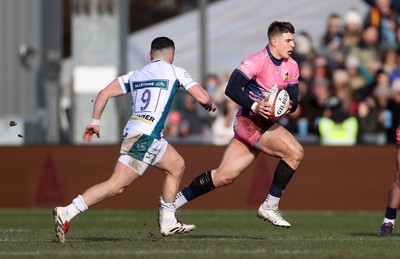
(273, 42)
(150, 57)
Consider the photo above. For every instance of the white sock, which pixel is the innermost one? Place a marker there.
(271, 201)
(71, 211)
(77, 206)
(80, 203)
(180, 200)
(386, 220)
(168, 212)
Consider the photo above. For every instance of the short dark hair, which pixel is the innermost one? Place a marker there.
(162, 43)
(279, 28)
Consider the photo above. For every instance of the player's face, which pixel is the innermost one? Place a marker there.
(285, 45)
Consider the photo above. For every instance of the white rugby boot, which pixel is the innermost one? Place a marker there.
(61, 224)
(174, 228)
(273, 216)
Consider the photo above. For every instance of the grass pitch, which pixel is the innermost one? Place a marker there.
(219, 234)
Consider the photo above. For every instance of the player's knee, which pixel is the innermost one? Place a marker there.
(297, 154)
(178, 168)
(300, 154)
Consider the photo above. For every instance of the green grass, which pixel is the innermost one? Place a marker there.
(219, 234)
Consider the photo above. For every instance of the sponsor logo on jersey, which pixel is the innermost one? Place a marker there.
(149, 84)
(144, 118)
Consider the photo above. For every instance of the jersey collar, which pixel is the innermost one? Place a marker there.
(276, 61)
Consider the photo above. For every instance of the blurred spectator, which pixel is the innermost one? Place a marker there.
(321, 69)
(395, 72)
(372, 112)
(342, 90)
(382, 95)
(385, 19)
(337, 127)
(331, 44)
(343, 132)
(191, 124)
(307, 79)
(394, 4)
(312, 110)
(352, 28)
(216, 88)
(368, 54)
(394, 107)
(398, 39)
(291, 120)
(65, 103)
(211, 83)
(222, 127)
(368, 117)
(390, 62)
(357, 81)
(172, 125)
(304, 50)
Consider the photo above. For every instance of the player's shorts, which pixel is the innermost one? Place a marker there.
(249, 129)
(138, 151)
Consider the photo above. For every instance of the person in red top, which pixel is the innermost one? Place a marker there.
(256, 130)
(393, 201)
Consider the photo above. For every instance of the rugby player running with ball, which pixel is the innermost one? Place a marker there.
(256, 129)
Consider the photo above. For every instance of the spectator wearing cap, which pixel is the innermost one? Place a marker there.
(352, 28)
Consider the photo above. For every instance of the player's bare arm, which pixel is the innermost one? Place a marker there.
(203, 97)
(111, 90)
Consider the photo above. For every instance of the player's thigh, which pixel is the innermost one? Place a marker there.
(279, 142)
(236, 159)
(123, 175)
(171, 161)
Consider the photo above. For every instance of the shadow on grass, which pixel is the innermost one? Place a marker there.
(220, 237)
(371, 234)
(157, 237)
(100, 239)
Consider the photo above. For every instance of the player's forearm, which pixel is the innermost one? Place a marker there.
(234, 90)
(112, 90)
(99, 105)
(201, 95)
(293, 91)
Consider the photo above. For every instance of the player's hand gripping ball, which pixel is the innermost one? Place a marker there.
(280, 102)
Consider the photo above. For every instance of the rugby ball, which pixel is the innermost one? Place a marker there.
(279, 100)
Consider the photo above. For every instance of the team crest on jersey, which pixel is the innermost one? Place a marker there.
(286, 76)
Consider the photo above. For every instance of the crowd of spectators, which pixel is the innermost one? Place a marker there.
(349, 85)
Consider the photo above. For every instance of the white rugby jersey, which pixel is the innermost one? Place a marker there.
(153, 88)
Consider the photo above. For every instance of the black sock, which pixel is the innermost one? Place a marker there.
(390, 213)
(283, 174)
(200, 185)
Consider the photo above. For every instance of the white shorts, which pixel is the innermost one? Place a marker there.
(138, 151)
